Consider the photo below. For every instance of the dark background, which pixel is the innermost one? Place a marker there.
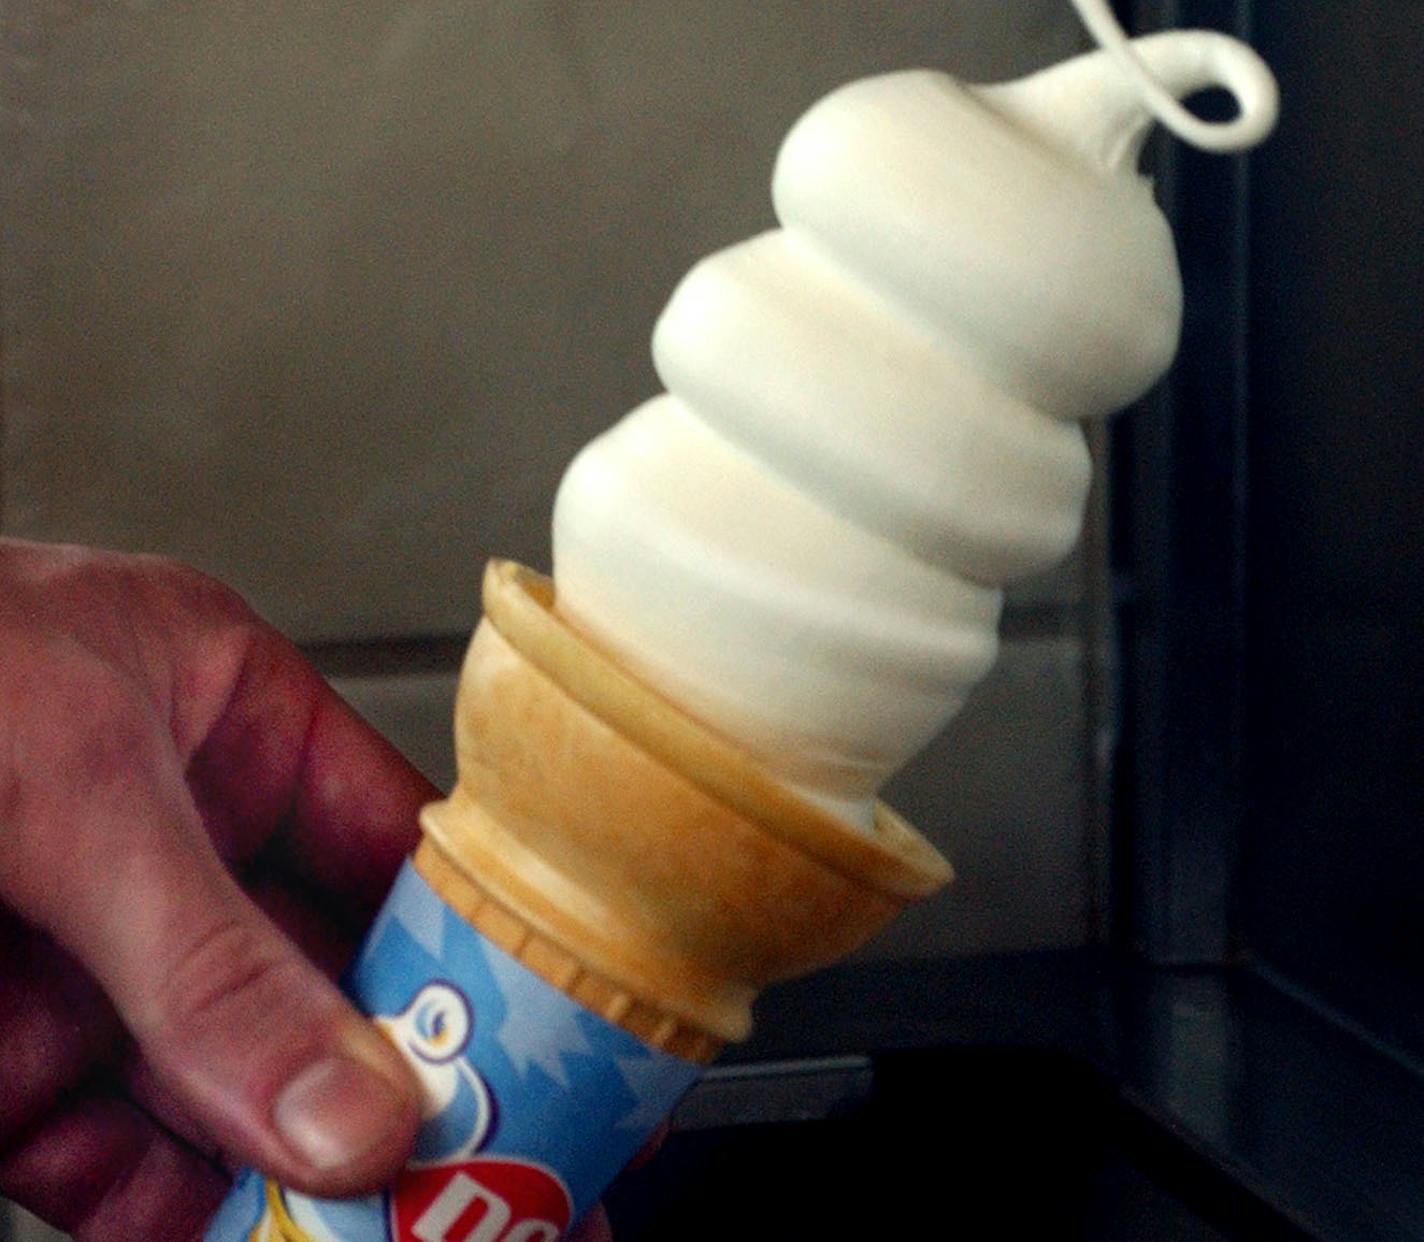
(1333, 848)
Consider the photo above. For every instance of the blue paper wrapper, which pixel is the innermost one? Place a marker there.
(534, 1104)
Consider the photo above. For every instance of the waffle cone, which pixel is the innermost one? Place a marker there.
(628, 855)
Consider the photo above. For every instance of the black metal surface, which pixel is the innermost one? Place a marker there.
(1272, 565)
(1270, 551)
(1253, 1111)
(1334, 847)
(972, 1143)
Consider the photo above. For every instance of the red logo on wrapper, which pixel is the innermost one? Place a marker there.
(481, 1200)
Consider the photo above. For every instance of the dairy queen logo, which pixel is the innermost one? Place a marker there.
(449, 1192)
(481, 1200)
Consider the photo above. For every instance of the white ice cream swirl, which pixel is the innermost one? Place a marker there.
(871, 417)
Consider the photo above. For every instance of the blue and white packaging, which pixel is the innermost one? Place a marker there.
(533, 1104)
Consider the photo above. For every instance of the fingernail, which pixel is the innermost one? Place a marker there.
(336, 1110)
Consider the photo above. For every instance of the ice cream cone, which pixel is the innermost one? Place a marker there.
(632, 858)
(869, 427)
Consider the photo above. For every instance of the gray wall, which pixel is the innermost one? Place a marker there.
(321, 298)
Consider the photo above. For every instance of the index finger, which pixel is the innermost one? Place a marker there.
(288, 765)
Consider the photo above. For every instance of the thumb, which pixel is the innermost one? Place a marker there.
(265, 1054)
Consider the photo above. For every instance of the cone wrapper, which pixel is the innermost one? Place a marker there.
(586, 922)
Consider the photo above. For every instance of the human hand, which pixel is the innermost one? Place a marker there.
(194, 829)
(171, 769)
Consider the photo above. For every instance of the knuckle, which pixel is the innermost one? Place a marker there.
(197, 590)
(11, 791)
(105, 737)
(77, 725)
(222, 977)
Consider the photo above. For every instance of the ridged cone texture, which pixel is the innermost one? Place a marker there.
(632, 858)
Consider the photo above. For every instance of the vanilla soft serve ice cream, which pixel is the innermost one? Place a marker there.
(774, 582)
(871, 421)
